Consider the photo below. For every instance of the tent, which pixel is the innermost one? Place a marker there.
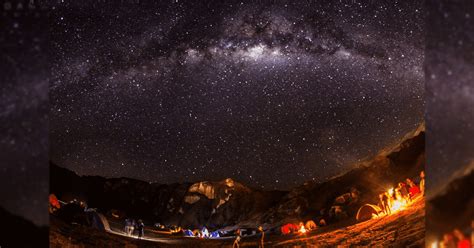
(214, 234)
(188, 233)
(322, 222)
(53, 201)
(96, 220)
(204, 232)
(366, 211)
(310, 225)
(289, 228)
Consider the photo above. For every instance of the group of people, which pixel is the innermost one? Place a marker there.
(132, 226)
(455, 239)
(404, 192)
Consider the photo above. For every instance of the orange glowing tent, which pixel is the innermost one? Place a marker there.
(310, 225)
(289, 228)
(54, 202)
(366, 211)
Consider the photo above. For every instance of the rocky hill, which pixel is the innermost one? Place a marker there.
(14, 228)
(452, 207)
(227, 202)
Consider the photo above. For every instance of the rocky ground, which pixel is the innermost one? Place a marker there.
(402, 229)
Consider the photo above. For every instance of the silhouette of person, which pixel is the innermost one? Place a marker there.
(262, 237)
(236, 243)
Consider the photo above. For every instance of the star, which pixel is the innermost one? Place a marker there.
(234, 91)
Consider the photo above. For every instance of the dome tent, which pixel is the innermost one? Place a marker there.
(366, 211)
(289, 228)
(188, 233)
(310, 225)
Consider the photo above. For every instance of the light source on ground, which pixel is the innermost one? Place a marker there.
(395, 205)
(302, 230)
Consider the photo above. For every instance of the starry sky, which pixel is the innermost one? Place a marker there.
(271, 94)
(24, 109)
(449, 91)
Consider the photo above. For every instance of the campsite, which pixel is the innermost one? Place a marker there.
(346, 208)
(406, 226)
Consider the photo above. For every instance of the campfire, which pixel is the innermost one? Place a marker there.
(394, 204)
(398, 205)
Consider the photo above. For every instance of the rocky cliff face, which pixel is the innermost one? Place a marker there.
(224, 203)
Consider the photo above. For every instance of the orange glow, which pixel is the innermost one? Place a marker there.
(302, 230)
(390, 191)
(395, 205)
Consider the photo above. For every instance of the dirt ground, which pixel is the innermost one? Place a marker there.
(405, 228)
(402, 229)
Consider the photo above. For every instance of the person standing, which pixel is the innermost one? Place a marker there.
(131, 229)
(236, 243)
(413, 189)
(448, 241)
(262, 237)
(422, 182)
(402, 187)
(127, 227)
(140, 228)
(462, 240)
(384, 202)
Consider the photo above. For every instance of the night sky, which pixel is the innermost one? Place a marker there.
(449, 91)
(270, 94)
(24, 109)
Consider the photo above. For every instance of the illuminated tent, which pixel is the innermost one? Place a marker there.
(54, 202)
(322, 222)
(289, 228)
(204, 232)
(188, 233)
(310, 225)
(214, 234)
(98, 220)
(365, 212)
